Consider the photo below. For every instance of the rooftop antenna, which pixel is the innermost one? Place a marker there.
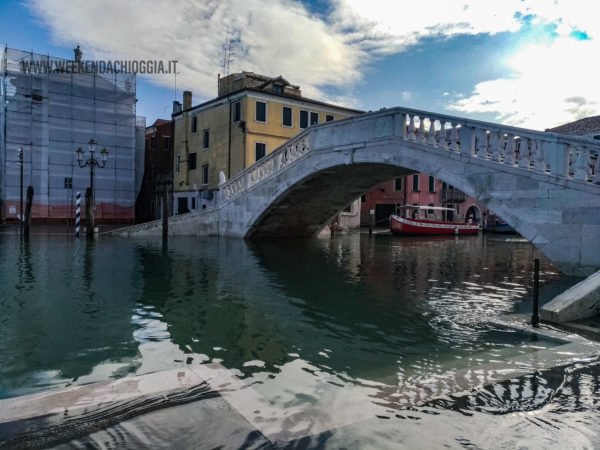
(175, 88)
(228, 51)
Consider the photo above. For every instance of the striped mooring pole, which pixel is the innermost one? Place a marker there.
(77, 213)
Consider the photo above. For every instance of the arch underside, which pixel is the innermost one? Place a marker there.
(309, 205)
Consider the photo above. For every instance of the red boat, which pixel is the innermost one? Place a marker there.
(417, 226)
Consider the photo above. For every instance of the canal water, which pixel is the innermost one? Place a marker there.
(350, 328)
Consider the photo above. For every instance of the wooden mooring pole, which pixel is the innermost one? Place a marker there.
(535, 317)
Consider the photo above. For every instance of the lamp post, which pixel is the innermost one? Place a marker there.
(92, 162)
(20, 163)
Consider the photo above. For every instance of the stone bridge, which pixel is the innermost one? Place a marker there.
(545, 185)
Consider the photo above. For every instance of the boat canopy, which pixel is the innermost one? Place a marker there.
(436, 208)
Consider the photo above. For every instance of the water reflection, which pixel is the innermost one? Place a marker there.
(374, 321)
(68, 317)
(26, 278)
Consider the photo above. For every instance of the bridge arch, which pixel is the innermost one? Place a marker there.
(543, 184)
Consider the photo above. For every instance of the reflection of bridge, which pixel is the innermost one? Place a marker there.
(543, 184)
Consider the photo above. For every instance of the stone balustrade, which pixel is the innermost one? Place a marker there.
(265, 167)
(567, 157)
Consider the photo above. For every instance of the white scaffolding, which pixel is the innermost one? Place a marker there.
(50, 110)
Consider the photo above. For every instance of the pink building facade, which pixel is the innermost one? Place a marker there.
(422, 190)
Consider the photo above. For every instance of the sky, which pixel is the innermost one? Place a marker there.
(527, 63)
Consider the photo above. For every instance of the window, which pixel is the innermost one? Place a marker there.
(305, 116)
(205, 174)
(431, 184)
(193, 202)
(415, 186)
(314, 118)
(597, 137)
(286, 119)
(237, 111)
(363, 198)
(303, 119)
(68, 183)
(444, 185)
(398, 184)
(260, 150)
(166, 142)
(277, 89)
(194, 124)
(192, 161)
(328, 118)
(177, 159)
(205, 139)
(261, 112)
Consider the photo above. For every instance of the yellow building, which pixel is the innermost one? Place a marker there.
(252, 116)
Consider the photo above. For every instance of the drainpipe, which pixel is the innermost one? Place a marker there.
(229, 149)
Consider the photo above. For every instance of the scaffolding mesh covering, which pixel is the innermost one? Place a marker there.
(49, 109)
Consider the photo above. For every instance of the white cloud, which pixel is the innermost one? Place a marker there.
(553, 84)
(275, 38)
(282, 37)
(388, 26)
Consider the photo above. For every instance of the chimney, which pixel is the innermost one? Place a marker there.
(176, 107)
(187, 100)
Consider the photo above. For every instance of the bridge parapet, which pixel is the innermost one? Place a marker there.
(568, 157)
(265, 167)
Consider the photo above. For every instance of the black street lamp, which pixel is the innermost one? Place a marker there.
(92, 162)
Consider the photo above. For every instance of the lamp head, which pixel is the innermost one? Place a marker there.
(92, 146)
(79, 153)
(104, 154)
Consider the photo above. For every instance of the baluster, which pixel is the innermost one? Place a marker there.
(442, 136)
(572, 159)
(472, 139)
(501, 146)
(478, 142)
(454, 138)
(494, 146)
(540, 163)
(588, 162)
(482, 144)
(431, 133)
(524, 153)
(487, 136)
(422, 137)
(509, 154)
(581, 166)
(411, 128)
(532, 152)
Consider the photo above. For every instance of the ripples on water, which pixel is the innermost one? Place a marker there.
(301, 321)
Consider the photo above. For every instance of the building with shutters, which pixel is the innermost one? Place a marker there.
(251, 116)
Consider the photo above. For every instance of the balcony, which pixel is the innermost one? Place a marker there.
(453, 196)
